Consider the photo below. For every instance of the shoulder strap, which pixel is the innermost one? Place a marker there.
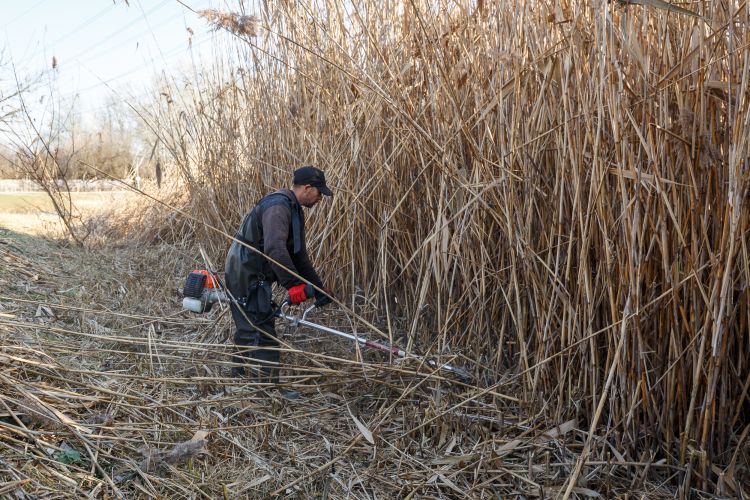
(256, 217)
(280, 197)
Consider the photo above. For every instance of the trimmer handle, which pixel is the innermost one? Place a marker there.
(323, 300)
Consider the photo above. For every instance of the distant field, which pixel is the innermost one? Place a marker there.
(33, 212)
(76, 185)
(33, 202)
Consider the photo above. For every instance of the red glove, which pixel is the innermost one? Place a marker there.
(299, 293)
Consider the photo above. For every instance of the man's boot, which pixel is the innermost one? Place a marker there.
(240, 357)
(269, 361)
(286, 393)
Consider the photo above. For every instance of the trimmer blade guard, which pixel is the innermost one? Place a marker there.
(463, 375)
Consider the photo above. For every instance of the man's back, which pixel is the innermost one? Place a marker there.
(243, 265)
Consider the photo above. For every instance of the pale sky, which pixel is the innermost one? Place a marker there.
(95, 41)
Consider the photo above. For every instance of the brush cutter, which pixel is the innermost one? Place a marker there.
(202, 290)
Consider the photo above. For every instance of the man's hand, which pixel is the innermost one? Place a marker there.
(300, 293)
(323, 299)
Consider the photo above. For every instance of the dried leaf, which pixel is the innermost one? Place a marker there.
(199, 436)
(660, 4)
(560, 430)
(364, 430)
(509, 446)
(578, 490)
(455, 460)
(181, 452)
(44, 312)
(450, 446)
(441, 479)
(259, 481)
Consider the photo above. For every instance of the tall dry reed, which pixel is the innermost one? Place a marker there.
(555, 190)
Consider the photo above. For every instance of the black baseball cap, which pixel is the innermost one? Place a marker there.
(312, 176)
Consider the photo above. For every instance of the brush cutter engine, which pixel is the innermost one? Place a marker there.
(201, 292)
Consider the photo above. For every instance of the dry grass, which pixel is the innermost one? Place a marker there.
(107, 391)
(554, 192)
(33, 212)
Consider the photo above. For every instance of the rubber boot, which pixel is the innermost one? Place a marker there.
(240, 357)
(269, 362)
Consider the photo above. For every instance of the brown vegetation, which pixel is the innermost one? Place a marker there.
(553, 190)
(104, 390)
(553, 194)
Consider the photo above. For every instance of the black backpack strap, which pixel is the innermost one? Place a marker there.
(296, 230)
(242, 239)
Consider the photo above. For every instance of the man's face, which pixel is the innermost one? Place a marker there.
(310, 196)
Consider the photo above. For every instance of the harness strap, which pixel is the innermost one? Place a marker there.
(256, 219)
(296, 230)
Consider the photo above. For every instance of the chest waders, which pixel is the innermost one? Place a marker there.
(253, 313)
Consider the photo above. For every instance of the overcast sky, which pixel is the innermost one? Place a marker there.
(97, 44)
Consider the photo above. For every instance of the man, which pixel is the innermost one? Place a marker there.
(276, 228)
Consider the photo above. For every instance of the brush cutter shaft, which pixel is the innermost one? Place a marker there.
(366, 343)
(298, 321)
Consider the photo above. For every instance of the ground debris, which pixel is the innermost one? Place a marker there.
(122, 398)
(157, 460)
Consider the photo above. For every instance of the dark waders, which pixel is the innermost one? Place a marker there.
(255, 335)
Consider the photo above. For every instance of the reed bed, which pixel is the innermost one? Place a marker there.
(555, 191)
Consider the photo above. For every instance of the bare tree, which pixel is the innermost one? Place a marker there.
(10, 91)
(37, 153)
